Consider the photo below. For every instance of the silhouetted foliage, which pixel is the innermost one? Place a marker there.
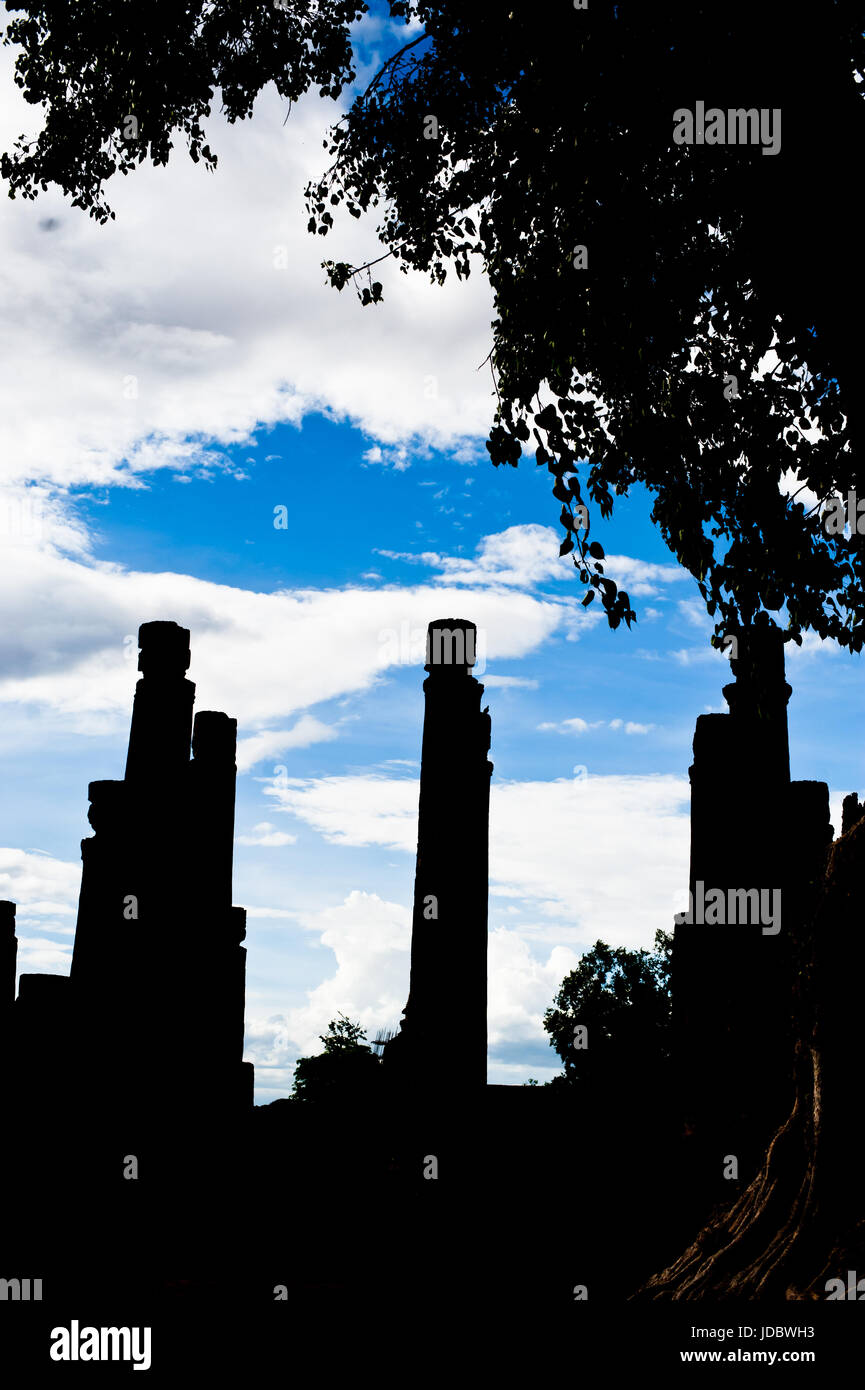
(511, 144)
(622, 999)
(345, 1070)
(96, 66)
(554, 132)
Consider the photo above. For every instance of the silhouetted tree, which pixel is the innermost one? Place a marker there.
(610, 1021)
(344, 1071)
(514, 144)
(638, 283)
(117, 81)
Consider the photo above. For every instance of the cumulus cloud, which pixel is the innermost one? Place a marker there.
(68, 629)
(570, 862)
(45, 890)
(370, 939)
(521, 987)
(40, 884)
(587, 857)
(527, 555)
(270, 743)
(396, 458)
(201, 313)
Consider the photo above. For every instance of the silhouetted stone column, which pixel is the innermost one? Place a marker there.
(106, 881)
(751, 829)
(162, 713)
(8, 962)
(157, 967)
(213, 775)
(443, 1036)
(148, 1027)
(43, 1027)
(851, 812)
(8, 956)
(241, 1075)
(158, 990)
(758, 699)
(235, 1009)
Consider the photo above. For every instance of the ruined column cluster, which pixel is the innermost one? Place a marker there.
(153, 1008)
(758, 848)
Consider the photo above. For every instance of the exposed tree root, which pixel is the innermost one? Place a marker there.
(801, 1221)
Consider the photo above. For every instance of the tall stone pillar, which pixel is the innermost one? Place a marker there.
(215, 1004)
(8, 956)
(107, 878)
(442, 1042)
(157, 963)
(213, 775)
(161, 729)
(8, 962)
(754, 836)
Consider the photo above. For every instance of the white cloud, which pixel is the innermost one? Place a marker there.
(45, 890)
(694, 613)
(573, 726)
(356, 810)
(201, 312)
(40, 884)
(267, 835)
(593, 856)
(522, 987)
(528, 555)
(583, 726)
(270, 743)
(68, 630)
(812, 645)
(641, 577)
(396, 458)
(370, 940)
(510, 683)
(570, 862)
(39, 956)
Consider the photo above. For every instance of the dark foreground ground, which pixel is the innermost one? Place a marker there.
(313, 1232)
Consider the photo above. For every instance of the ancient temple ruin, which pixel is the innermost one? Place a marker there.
(753, 832)
(152, 1013)
(157, 981)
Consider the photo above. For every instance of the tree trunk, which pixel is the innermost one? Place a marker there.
(800, 1221)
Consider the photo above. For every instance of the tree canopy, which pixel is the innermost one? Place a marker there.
(344, 1071)
(118, 80)
(610, 1021)
(668, 315)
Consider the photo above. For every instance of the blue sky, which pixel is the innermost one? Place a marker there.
(256, 387)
